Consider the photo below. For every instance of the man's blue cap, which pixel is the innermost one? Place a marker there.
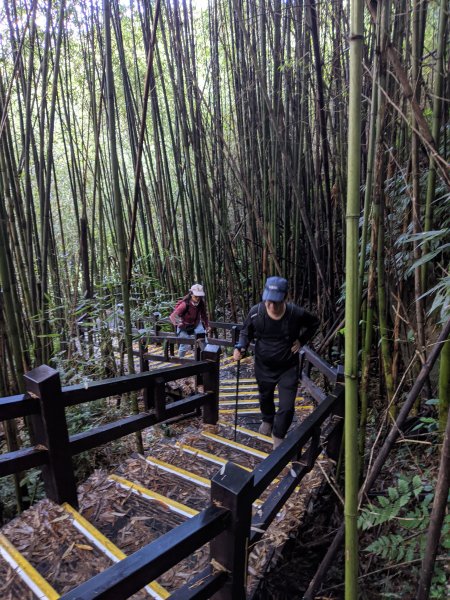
(275, 289)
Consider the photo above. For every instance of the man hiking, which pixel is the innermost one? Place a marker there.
(279, 330)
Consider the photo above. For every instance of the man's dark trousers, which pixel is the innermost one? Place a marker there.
(287, 383)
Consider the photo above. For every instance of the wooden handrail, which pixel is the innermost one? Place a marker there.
(13, 407)
(21, 460)
(132, 573)
(77, 394)
(46, 401)
(272, 466)
(226, 523)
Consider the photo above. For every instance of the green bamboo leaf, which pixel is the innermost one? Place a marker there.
(426, 258)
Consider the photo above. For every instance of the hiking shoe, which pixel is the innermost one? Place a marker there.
(276, 441)
(265, 428)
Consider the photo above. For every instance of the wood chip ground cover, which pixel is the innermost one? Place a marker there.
(11, 587)
(166, 484)
(128, 520)
(46, 537)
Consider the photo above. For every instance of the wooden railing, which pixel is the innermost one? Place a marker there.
(169, 340)
(227, 524)
(45, 403)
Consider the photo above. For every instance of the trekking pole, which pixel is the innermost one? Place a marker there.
(238, 371)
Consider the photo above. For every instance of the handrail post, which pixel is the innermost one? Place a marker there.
(143, 363)
(143, 347)
(211, 384)
(231, 488)
(340, 377)
(166, 347)
(334, 441)
(50, 430)
(199, 346)
(159, 396)
(156, 326)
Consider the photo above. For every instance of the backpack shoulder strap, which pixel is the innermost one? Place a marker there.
(186, 301)
(290, 308)
(258, 318)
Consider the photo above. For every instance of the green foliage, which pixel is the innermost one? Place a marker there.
(392, 548)
(403, 514)
(428, 424)
(389, 507)
(441, 300)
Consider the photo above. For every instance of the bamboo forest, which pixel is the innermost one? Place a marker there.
(151, 149)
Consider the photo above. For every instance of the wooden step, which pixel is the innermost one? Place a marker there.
(129, 519)
(235, 445)
(140, 490)
(207, 456)
(248, 400)
(243, 388)
(246, 436)
(225, 451)
(232, 381)
(107, 547)
(31, 584)
(178, 471)
(177, 455)
(248, 432)
(169, 480)
(47, 538)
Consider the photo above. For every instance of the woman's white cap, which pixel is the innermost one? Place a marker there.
(197, 290)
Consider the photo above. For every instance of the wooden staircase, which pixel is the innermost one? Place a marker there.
(51, 549)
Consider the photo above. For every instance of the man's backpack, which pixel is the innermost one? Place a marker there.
(259, 316)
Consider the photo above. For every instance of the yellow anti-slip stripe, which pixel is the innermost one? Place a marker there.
(241, 382)
(249, 432)
(241, 411)
(231, 397)
(34, 580)
(173, 505)
(246, 400)
(232, 388)
(241, 401)
(252, 411)
(231, 394)
(94, 535)
(108, 548)
(203, 481)
(215, 459)
(232, 444)
(218, 460)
